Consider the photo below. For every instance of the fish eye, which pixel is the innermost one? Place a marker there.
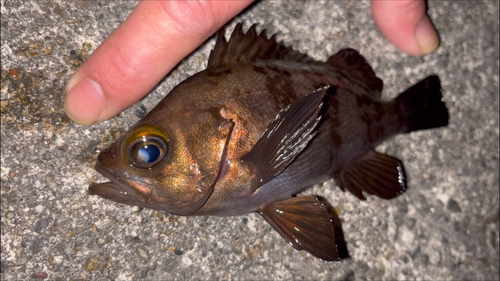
(147, 151)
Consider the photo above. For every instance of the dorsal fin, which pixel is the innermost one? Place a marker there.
(249, 47)
(355, 64)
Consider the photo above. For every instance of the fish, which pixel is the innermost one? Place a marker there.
(262, 123)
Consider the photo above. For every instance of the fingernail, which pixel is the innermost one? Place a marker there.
(426, 36)
(85, 101)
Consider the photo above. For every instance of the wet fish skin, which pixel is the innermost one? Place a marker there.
(262, 123)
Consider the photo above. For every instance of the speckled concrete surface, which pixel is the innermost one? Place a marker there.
(444, 228)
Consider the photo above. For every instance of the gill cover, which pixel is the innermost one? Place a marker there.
(172, 165)
(195, 161)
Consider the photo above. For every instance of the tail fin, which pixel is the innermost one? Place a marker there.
(422, 107)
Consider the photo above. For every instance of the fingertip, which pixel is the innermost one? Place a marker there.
(426, 36)
(85, 101)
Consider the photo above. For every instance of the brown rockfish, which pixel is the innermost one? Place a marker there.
(262, 123)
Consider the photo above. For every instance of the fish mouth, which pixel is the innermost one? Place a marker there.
(121, 190)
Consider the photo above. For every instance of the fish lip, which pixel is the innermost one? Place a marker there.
(124, 185)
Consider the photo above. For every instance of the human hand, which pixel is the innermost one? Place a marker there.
(158, 35)
(140, 52)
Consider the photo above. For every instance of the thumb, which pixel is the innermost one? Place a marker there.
(406, 25)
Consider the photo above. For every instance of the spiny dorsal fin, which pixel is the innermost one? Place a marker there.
(249, 47)
(355, 64)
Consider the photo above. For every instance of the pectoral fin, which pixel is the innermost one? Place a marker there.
(308, 223)
(374, 173)
(285, 138)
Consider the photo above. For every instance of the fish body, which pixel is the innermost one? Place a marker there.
(262, 123)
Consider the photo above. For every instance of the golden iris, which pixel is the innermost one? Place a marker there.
(146, 146)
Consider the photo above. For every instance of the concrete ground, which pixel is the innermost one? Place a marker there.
(446, 227)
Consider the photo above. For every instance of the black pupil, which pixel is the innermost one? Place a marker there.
(149, 153)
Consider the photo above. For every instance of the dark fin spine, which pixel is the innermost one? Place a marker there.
(356, 65)
(250, 46)
(373, 173)
(308, 223)
(422, 107)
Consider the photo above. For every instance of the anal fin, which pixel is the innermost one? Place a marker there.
(374, 173)
(308, 223)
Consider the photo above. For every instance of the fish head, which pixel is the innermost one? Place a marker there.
(169, 161)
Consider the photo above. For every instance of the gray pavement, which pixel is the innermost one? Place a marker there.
(446, 227)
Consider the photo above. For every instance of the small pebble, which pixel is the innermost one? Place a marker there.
(86, 27)
(78, 246)
(60, 40)
(453, 206)
(143, 254)
(90, 31)
(92, 264)
(39, 275)
(41, 225)
(14, 73)
(410, 223)
(39, 209)
(141, 112)
(102, 241)
(47, 51)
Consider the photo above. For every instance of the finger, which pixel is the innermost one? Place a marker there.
(135, 57)
(406, 25)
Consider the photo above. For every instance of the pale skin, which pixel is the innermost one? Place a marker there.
(146, 46)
